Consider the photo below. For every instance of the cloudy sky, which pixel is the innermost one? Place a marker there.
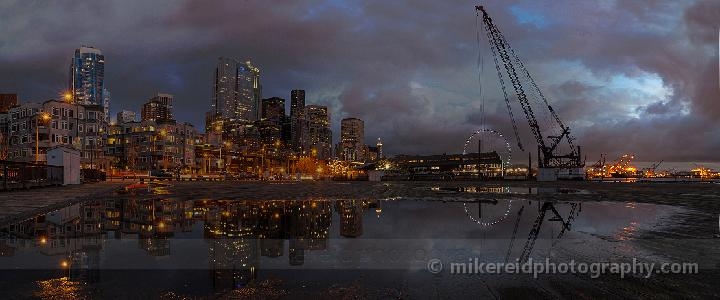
(627, 76)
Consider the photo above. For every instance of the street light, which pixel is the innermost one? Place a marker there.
(45, 117)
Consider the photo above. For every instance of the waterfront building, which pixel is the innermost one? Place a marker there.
(82, 126)
(149, 145)
(87, 76)
(486, 164)
(352, 134)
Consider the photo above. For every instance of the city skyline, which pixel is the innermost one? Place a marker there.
(418, 97)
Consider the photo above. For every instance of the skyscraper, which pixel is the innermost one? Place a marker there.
(158, 108)
(87, 76)
(273, 108)
(273, 115)
(249, 91)
(297, 107)
(225, 88)
(352, 135)
(106, 104)
(318, 136)
(237, 91)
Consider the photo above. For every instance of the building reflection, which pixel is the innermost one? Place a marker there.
(237, 233)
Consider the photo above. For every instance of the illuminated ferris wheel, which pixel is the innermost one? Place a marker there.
(493, 141)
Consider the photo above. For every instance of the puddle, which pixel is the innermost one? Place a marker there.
(201, 247)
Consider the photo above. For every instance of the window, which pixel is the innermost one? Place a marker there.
(80, 115)
(64, 125)
(81, 127)
(54, 124)
(56, 111)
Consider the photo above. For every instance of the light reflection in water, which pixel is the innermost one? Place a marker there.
(239, 237)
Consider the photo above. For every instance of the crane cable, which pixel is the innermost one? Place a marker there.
(480, 67)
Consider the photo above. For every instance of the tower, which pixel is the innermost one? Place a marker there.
(87, 76)
(297, 110)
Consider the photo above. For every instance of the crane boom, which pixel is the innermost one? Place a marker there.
(512, 64)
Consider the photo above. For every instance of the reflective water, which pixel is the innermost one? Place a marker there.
(125, 247)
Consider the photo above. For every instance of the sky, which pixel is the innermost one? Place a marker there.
(635, 77)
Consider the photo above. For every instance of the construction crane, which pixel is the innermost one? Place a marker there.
(522, 82)
(652, 170)
(622, 166)
(535, 231)
(514, 234)
(597, 169)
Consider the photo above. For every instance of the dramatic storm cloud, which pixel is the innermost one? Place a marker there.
(627, 76)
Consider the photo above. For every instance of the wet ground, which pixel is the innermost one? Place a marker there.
(364, 240)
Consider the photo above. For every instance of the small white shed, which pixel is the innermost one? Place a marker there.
(67, 157)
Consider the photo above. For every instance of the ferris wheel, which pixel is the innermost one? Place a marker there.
(490, 139)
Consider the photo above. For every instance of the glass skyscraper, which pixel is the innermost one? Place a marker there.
(237, 91)
(87, 76)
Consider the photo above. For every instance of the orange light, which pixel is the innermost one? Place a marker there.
(64, 264)
(67, 96)
(43, 240)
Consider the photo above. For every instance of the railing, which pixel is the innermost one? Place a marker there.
(14, 175)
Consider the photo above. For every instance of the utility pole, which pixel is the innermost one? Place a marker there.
(45, 117)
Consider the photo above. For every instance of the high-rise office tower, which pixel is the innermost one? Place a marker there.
(273, 115)
(225, 88)
(237, 91)
(352, 135)
(318, 136)
(297, 108)
(250, 90)
(87, 76)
